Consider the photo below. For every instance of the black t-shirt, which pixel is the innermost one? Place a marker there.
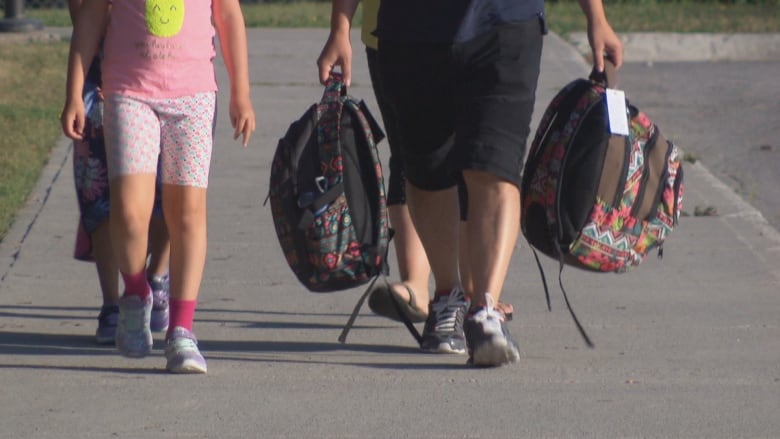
(446, 21)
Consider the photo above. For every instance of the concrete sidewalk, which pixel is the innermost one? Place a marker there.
(686, 346)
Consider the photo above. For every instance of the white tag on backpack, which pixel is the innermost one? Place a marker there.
(618, 114)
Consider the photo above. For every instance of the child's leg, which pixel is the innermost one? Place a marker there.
(159, 247)
(413, 266)
(132, 131)
(157, 270)
(107, 270)
(131, 207)
(185, 215)
(186, 146)
(132, 197)
(186, 154)
(108, 276)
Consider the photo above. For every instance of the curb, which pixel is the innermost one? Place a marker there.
(677, 47)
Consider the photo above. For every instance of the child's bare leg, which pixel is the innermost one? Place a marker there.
(185, 215)
(108, 276)
(159, 247)
(465, 273)
(157, 273)
(132, 198)
(108, 273)
(413, 264)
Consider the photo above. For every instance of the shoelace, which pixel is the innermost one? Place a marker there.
(489, 316)
(448, 319)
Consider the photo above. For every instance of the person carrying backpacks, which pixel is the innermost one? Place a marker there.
(411, 292)
(466, 71)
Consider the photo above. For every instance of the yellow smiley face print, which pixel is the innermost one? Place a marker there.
(164, 18)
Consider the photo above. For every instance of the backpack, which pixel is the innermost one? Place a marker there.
(327, 194)
(595, 200)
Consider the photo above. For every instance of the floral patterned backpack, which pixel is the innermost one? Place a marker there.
(327, 194)
(596, 200)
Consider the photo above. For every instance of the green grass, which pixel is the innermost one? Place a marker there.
(29, 109)
(32, 83)
(686, 17)
(50, 17)
(300, 14)
(563, 16)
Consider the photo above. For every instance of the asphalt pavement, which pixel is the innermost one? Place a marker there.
(686, 346)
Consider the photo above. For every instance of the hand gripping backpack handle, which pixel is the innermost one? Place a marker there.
(607, 78)
(335, 88)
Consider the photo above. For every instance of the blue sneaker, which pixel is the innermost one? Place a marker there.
(443, 331)
(107, 320)
(133, 336)
(489, 342)
(160, 299)
(182, 354)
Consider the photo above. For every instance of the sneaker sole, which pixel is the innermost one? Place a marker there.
(494, 354)
(187, 368)
(443, 348)
(132, 353)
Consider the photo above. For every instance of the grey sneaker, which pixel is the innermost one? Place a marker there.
(443, 331)
(181, 351)
(133, 336)
(489, 341)
(107, 320)
(160, 299)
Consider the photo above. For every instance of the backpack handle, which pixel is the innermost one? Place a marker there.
(334, 87)
(607, 78)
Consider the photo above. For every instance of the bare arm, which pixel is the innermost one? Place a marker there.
(90, 18)
(603, 40)
(229, 22)
(73, 9)
(338, 50)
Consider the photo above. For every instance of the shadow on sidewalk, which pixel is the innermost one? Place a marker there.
(14, 345)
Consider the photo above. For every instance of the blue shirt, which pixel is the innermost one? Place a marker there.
(448, 21)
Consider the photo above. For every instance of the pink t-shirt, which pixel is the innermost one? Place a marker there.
(159, 48)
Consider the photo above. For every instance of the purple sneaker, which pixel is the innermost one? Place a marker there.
(107, 320)
(181, 351)
(133, 336)
(160, 298)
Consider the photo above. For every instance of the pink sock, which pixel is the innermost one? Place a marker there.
(182, 314)
(136, 284)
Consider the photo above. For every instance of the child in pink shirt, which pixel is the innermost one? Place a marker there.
(160, 100)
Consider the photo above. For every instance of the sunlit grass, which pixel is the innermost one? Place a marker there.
(32, 84)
